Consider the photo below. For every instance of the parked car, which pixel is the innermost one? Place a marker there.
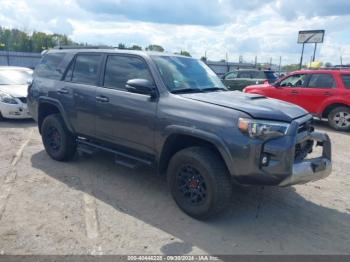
(239, 79)
(324, 93)
(13, 92)
(173, 113)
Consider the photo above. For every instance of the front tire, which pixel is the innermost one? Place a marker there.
(199, 182)
(59, 143)
(339, 118)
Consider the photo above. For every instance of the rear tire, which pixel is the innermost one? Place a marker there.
(199, 182)
(59, 143)
(339, 118)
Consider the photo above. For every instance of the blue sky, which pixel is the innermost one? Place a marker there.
(267, 29)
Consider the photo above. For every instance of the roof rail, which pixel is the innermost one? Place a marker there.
(82, 47)
(336, 68)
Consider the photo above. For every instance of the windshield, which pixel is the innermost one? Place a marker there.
(182, 74)
(14, 77)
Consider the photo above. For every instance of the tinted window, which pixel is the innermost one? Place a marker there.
(50, 66)
(231, 75)
(120, 69)
(321, 81)
(244, 74)
(257, 74)
(86, 69)
(346, 80)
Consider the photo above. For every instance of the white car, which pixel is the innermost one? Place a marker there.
(13, 92)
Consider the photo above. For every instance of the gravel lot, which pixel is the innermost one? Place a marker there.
(92, 206)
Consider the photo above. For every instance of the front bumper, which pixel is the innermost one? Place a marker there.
(314, 169)
(14, 111)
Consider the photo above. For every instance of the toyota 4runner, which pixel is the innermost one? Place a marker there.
(173, 113)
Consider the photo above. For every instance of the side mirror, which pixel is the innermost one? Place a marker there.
(277, 84)
(29, 81)
(140, 86)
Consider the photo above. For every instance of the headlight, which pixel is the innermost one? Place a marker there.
(262, 129)
(6, 98)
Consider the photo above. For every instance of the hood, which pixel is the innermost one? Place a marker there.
(258, 86)
(257, 106)
(15, 90)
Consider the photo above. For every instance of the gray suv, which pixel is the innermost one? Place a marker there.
(173, 113)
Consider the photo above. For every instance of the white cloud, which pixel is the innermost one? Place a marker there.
(263, 28)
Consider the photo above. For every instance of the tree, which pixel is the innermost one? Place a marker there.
(21, 41)
(204, 59)
(328, 64)
(135, 47)
(121, 46)
(156, 48)
(185, 53)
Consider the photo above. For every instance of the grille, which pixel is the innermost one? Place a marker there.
(23, 100)
(303, 149)
(306, 127)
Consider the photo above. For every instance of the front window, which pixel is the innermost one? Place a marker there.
(182, 74)
(14, 77)
(298, 80)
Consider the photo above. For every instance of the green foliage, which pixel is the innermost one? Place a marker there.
(290, 68)
(156, 48)
(20, 41)
(135, 47)
(121, 46)
(185, 53)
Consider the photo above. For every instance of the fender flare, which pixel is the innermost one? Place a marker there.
(203, 135)
(60, 108)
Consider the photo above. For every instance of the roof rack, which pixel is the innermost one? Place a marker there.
(336, 68)
(82, 47)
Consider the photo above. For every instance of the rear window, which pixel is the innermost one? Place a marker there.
(86, 69)
(51, 66)
(321, 81)
(346, 80)
(244, 74)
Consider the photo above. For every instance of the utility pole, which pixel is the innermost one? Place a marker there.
(313, 58)
(256, 61)
(301, 58)
(279, 66)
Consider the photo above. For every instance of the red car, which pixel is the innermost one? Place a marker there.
(324, 93)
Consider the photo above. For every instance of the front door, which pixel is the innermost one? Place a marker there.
(125, 118)
(288, 89)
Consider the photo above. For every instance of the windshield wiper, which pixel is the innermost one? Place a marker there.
(214, 89)
(186, 90)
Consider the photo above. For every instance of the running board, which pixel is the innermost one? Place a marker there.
(121, 158)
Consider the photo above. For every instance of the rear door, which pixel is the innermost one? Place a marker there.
(125, 118)
(319, 88)
(78, 92)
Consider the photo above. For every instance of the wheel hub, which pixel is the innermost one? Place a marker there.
(54, 138)
(191, 185)
(342, 119)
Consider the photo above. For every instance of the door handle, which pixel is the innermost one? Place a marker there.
(63, 91)
(327, 93)
(102, 99)
(294, 92)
